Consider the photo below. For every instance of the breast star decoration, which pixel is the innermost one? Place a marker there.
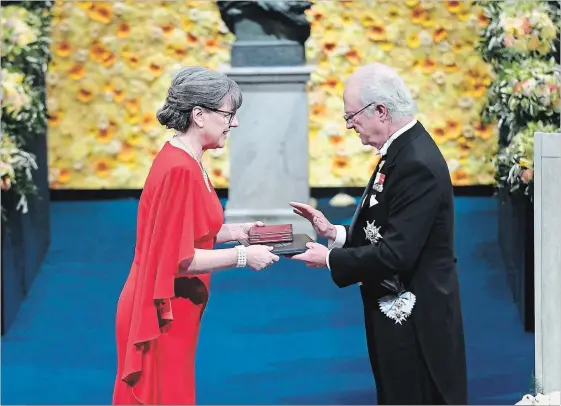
(372, 232)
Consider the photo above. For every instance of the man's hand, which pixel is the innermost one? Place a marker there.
(314, 257)
(321, 225)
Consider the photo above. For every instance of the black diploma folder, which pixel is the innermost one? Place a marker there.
(296, 246)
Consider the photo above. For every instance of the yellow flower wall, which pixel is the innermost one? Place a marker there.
(112, 62)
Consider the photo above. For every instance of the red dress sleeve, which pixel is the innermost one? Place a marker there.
(171, 223)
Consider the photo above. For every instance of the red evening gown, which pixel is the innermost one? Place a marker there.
(159, 313)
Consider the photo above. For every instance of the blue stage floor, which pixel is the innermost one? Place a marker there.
(284, 336)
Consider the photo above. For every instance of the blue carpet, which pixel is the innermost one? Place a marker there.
(284, 336)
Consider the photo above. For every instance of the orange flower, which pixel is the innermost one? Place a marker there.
(132, 105)
(126, 154)
(339, 165)
(318, 110)
(440, 34)
(108, 59)
(329, 46)
(211, 45)
(479, 90)
(64, 175)
(428, 65)
(99, 52)
(377, 33)
(123, 30)
(460, 177)
(85, 95)
(118, 95)
(155, 68)
(217, 178)
(439, 135)
(167, 29)
(131, 59)
(483, 131)
(453, 6)
(147, 121)
(332, 84)
(54, 118)
(482, 19)
(101, 168)
(191, 39)
(77, 71)
(453, 129)
(417, 14)
(100, 12)
(63, 49)
(315, 15)
(335, 140)
(353, 56)
(177, 51)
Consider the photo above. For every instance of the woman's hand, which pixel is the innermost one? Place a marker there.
(260, 257)
(240, 231)
(235, 231)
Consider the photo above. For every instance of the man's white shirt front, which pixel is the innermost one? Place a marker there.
(341, 236)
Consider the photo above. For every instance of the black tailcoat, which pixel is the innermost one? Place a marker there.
(421, 360)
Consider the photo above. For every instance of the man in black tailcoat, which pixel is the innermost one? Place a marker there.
(399, 248)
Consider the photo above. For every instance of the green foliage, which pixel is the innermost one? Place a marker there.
(25, 57)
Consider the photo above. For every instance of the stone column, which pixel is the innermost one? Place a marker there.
(547, 226)
(269, 151)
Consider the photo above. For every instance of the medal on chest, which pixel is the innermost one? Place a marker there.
(379, 182)
(372, 232)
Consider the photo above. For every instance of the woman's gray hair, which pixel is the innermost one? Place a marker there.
(381, 84)
(196, 86)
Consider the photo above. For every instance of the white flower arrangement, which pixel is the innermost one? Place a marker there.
(553, 398)
(16, 168)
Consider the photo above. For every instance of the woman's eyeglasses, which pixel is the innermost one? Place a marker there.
(228, 115)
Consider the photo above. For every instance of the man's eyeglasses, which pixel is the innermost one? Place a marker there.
(347, 117)
(228, 115)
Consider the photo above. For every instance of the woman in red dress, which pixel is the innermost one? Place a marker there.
(180, 219)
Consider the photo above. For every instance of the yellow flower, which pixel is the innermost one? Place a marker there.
(131, 59)
(413, 40)
(127, 153)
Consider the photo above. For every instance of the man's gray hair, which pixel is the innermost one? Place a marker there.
(381, 84)
(196, 86)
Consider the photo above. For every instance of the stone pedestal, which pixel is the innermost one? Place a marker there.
(269, 150)
(547, 226)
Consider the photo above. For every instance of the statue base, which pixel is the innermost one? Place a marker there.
(267, 53)
(269, 151)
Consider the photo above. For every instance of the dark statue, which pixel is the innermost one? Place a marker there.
(268, 32)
